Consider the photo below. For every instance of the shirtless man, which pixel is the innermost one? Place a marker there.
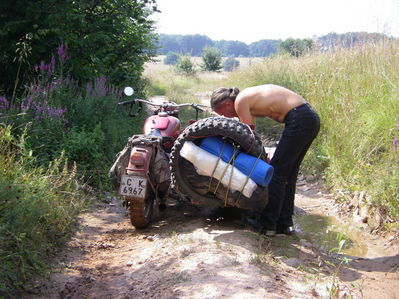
(301, 127)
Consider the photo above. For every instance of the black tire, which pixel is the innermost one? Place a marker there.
(141, 211)
(196, 187)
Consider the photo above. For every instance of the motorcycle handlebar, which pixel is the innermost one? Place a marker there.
(165, 104)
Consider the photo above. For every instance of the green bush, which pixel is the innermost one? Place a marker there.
(230, 64)
(186, 66)
(212, 59)
(172, 58)
(57, 114)
(112, 39)
(38, 208)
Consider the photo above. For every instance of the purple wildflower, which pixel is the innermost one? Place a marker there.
(52, 63)
(42, 66)
(4, 104)
(99, 86)
(89, 90)
(395, 144)
(62, 52)
(28, 104)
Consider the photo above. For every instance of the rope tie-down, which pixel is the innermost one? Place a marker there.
(208, 136)
(246, 181)
(232, 160)
(231, 163)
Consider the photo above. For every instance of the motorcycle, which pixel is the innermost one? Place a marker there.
(145, 183)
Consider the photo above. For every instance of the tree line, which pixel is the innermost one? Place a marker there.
(194, 45)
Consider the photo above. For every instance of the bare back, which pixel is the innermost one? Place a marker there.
(268, 100)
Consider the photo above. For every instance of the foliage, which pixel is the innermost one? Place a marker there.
(212, 59)
(232, 48)
(186, 66)
(187, 44)
(58, 115)
(38, 208)
(334, 40)
(263, 48)
(105, 38)
(355, 92)
(296, 47)
(195, 44)
(172, 58)
(230, 64)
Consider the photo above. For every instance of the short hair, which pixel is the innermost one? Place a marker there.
(222, 94)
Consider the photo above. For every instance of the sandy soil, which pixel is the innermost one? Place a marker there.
(192, 252)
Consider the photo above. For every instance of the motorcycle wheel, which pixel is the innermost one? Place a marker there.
(188, 182)
(141, 211)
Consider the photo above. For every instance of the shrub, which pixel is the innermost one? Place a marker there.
(57, 114)
(38, 208)
(186, 66)
(230, 64)
(212, 59)
(172, 58)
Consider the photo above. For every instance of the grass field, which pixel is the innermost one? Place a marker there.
(356, 93)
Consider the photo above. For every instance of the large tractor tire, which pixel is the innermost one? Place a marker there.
(197, 187)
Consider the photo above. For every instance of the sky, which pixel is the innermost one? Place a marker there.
(252, 20)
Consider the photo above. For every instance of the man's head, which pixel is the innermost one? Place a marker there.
(222, 101)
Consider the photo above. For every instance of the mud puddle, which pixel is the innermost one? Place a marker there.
(331, 235)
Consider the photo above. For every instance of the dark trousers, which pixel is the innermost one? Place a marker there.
(301, 127)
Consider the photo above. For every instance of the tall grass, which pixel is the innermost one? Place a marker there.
(38, 208)
(356, 93)
(56, 120)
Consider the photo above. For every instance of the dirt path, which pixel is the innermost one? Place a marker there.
(189, 252)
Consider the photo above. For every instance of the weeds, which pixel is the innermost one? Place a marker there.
(355, 92)
(38, 208)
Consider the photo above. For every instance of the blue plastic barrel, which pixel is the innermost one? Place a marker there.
(214, 145)
(261, 174)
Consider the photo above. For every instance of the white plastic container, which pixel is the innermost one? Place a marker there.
(204, 163)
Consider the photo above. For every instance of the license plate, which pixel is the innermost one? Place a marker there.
(133, 186)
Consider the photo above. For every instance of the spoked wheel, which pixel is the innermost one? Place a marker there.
(141, 211)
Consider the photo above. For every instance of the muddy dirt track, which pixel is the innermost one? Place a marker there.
(190, 252)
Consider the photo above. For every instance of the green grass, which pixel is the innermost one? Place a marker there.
(38, 208)
(356, 93)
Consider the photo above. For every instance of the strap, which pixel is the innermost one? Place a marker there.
(216, 165)
(231, 175)
(247, 179)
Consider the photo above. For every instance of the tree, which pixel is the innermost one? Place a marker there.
(263, 48)
(230, 64)
(232, 48)
(186, 66)
(111, 38)
(189, 44)
(297, 47)
(171, 58)
(212, 59)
